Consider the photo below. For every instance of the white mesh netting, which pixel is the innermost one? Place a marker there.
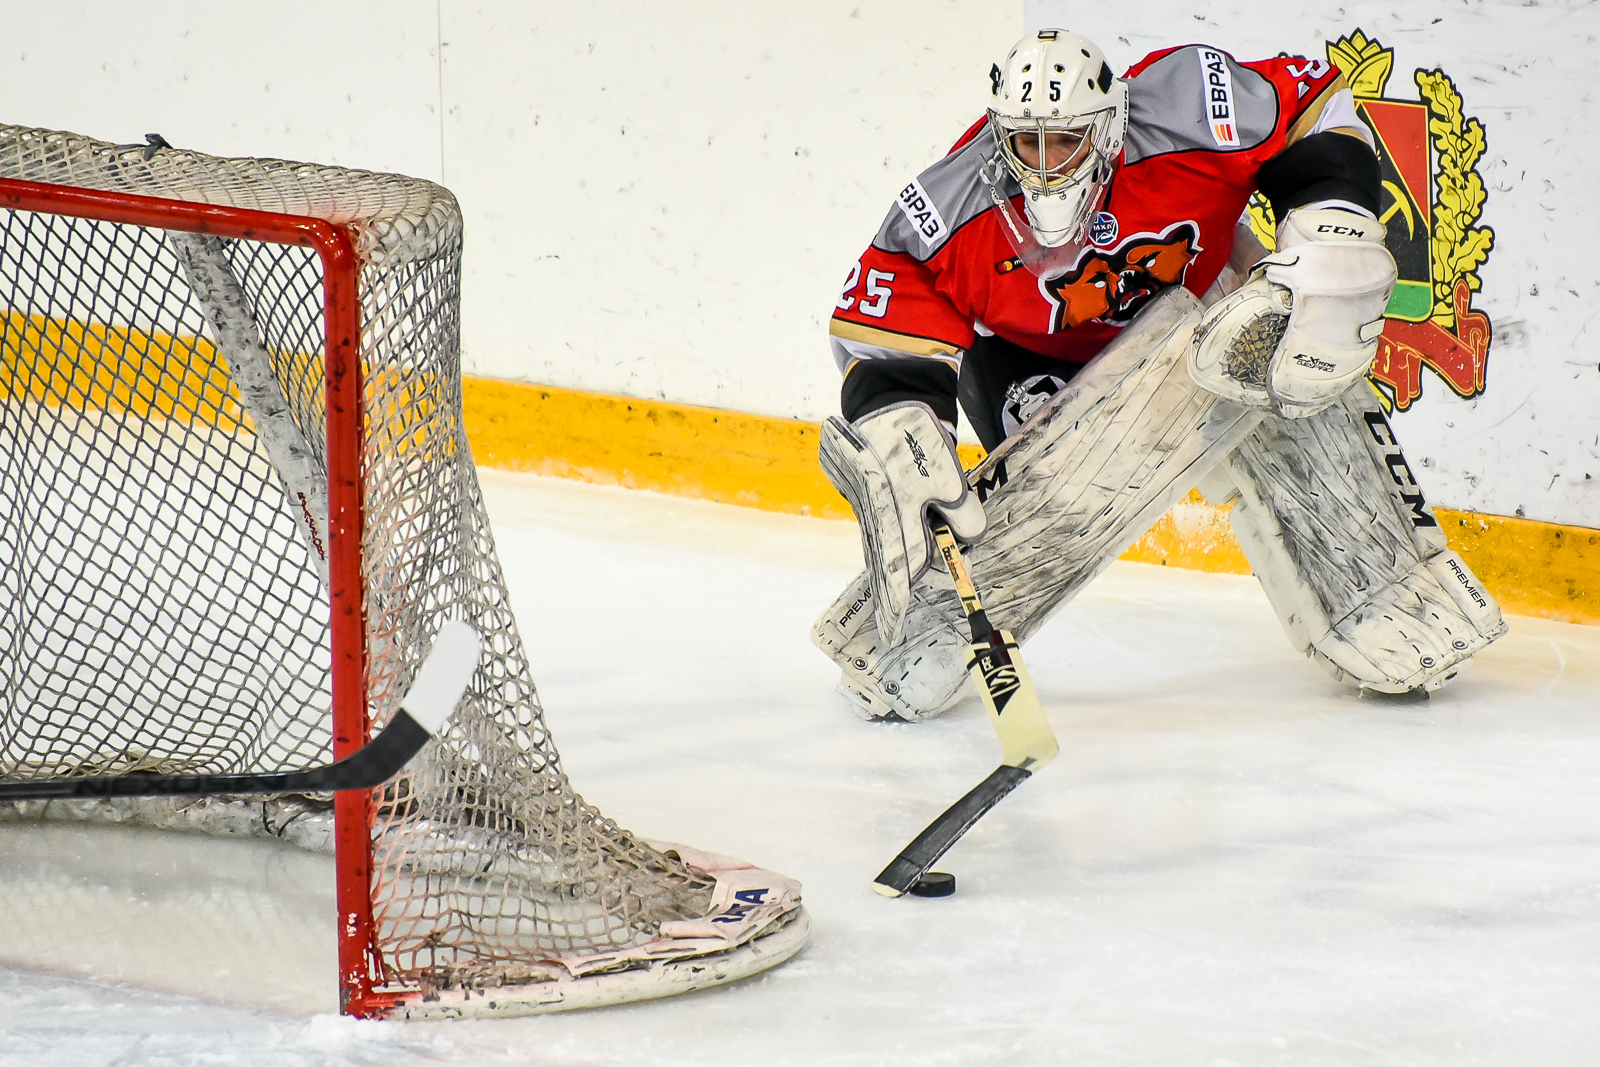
(162, 608)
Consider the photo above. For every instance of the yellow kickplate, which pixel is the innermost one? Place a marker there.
(760, 461)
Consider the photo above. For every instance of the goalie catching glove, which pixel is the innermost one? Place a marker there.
(895, 466)
(1305, 327)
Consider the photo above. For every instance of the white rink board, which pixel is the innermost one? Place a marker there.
(661, 200)
(1233, 861)
(353, 84)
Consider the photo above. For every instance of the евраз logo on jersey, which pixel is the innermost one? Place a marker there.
(919, 209)
(1219, 97)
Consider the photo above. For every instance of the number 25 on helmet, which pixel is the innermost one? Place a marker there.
(1059, 116)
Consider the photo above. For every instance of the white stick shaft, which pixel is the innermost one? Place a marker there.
(444, 676)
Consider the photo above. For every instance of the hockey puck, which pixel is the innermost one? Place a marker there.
(934, 884)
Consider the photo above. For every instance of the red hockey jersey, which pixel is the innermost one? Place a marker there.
(1200, 125)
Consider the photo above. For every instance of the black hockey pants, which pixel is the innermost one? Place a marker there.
(1002, 383)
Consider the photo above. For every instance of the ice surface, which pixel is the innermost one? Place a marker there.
(1234, 860)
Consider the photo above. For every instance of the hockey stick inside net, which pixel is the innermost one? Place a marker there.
(434, 694)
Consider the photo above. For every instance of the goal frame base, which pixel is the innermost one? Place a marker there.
(664, 979)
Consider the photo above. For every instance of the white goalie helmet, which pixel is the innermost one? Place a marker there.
(1055, 101)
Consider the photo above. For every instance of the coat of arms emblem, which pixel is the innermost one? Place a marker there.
(1428, 152)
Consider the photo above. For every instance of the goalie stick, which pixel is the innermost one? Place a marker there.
(433, 695)
(1026, 739)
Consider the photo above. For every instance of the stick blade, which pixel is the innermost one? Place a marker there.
(443, 676)
(924, 851)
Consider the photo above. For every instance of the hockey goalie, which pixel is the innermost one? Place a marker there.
(1074, 276)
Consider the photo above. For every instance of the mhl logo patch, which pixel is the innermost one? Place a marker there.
(1220, 113)
(1103, 229)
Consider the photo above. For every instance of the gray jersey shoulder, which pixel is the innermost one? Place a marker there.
(1176, 104)
(941, 200)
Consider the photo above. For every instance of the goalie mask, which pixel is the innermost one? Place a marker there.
(1059, 117)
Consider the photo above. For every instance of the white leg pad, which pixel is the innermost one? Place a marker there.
(1088, 474)
(1348, 551)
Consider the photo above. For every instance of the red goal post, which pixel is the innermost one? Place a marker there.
(343, 379)
(478, 882)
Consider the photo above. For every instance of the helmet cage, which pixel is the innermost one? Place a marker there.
(1055, 81)
(1060, 199)
(1041, 179)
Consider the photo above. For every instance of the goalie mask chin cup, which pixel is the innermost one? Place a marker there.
(1043, 260)
(1056, 83)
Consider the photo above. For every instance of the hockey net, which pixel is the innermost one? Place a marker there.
(230, 396)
